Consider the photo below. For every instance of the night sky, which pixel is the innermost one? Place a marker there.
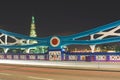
(57, 17)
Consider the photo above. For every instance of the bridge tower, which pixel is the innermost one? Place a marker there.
(40, 49)
(32, 34)
(33, 30)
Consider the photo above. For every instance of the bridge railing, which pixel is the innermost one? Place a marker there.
(98, 56)
(24, 56)
(103, 57)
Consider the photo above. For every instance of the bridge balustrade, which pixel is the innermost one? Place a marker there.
(101, 56)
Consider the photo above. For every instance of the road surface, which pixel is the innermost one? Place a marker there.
(110, 66)
(23, 72)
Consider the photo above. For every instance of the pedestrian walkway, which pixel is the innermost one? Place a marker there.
(111, 66)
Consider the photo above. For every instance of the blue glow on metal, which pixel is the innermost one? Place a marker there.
(65, 40)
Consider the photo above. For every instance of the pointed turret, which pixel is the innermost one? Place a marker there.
(40, 49)
(33, 20)
(33, 28)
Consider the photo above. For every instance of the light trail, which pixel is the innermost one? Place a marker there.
(38, 78)
(66, 64)
(5, 74)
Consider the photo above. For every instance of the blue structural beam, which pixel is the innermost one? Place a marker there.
(93, 31)
(92, 42)
(69, 42)
(22, 36)
(65, 40)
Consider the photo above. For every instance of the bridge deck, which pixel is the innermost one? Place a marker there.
(111, 66)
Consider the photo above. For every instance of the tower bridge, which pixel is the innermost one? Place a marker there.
(10, 40)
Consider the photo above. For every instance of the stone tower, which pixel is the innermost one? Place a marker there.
(33, 31)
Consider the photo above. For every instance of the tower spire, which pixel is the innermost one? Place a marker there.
(33, 20)
(33, 28)
(32, 34)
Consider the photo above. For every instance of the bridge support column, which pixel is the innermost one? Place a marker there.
(5, 50)
(92, 48)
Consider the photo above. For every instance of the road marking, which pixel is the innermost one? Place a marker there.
(39, 78)
(4, 74)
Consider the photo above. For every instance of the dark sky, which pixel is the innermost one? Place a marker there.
(57, 17)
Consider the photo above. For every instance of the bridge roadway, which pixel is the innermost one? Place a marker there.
(50, 70)
(20, 72)
(110, 66)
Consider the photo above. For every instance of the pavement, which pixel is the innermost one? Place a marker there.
(108, 66)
